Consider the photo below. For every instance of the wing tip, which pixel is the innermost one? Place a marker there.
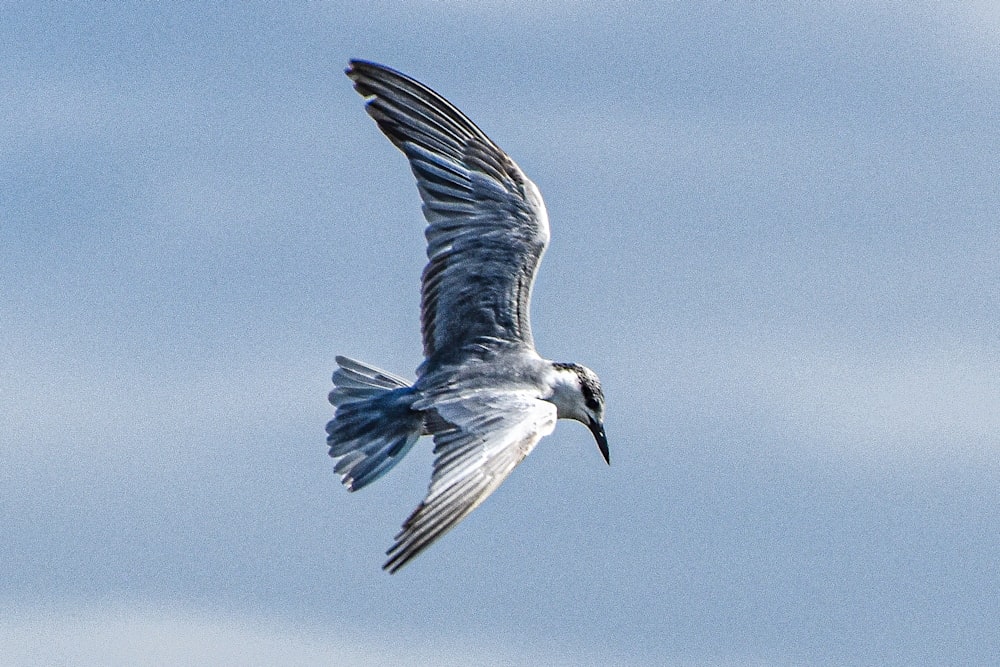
(397, 558)
(358, 67)
(356, 64)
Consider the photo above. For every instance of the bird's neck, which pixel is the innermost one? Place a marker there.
(564, 392)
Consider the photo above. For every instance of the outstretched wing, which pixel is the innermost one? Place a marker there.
(487, 226)
(486, 433)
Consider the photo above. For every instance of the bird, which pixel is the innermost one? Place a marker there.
(482, 392)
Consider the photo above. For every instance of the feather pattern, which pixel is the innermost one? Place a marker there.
(487, 225)
(487, 434)
(483, 391)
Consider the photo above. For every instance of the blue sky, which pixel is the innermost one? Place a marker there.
(774, 237)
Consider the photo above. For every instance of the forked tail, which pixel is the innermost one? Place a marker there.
(373, 426)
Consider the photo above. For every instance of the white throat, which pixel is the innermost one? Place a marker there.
(564, 386)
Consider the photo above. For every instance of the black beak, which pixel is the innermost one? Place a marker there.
(597, 429)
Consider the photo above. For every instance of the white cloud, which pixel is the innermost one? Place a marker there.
(84, 635)
(41, 109)
(911, 404)
(907, 402)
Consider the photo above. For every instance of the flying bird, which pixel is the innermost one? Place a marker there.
(482, 391)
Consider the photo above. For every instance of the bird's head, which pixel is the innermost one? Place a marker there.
(577, 395)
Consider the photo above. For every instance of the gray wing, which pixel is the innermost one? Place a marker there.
(487, 226)
(487, 433)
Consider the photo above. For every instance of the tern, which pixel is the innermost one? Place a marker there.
(482, 391)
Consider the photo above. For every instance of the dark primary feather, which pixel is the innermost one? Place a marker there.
(487, 227)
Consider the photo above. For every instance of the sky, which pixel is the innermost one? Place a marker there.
(774, 237)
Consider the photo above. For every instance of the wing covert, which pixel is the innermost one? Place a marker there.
(487, 434)
(487, 225)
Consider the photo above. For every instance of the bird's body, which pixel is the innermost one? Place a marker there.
(482, 392)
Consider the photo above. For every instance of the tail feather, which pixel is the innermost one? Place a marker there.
(367, 376)
(374, 425)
